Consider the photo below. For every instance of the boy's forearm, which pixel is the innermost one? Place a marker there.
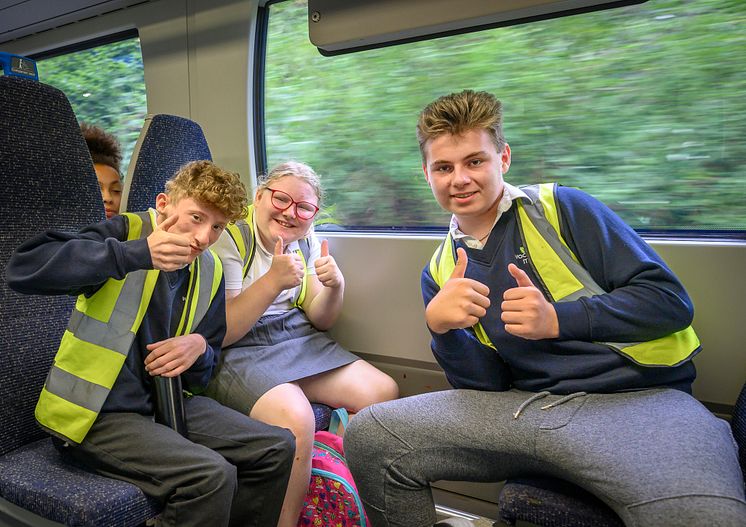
(73, 263)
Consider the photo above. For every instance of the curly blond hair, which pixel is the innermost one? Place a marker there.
(207, 183)
(458, 113)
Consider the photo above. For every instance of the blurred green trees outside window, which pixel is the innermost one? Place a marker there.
(106, 87)
(641, 106)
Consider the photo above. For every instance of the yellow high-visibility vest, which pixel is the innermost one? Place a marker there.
(563, 279)
(242, 234)
(100, 333)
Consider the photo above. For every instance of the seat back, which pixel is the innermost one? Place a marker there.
(166, 143)
(48, 182)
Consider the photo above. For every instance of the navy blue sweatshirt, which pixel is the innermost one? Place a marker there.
(644, 301)
(57, 263)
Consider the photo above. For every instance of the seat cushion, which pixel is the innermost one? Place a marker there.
(36, 478)
(553, 503)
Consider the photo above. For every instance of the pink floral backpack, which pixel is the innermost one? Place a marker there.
(332, 499)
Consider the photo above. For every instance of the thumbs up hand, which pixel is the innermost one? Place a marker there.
(169, 251)
(286, 270)
(327, 270)
(460, 303)
(525, 311)
(462, 260)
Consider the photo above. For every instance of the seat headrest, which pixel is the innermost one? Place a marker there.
(166, 143)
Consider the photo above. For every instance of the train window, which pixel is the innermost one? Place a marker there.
(640, 106)
(105, 84)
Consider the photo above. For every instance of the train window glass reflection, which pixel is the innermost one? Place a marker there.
(640, 106)
(106, 87)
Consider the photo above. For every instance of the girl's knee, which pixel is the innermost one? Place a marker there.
(388, 389)
(375, 389)
(287, 407)
(301, 421)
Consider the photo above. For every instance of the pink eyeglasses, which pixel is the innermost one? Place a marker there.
(283, 201)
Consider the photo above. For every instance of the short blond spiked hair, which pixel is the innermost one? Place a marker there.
(458, 113)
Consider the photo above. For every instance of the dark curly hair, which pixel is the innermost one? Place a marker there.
(104, 147)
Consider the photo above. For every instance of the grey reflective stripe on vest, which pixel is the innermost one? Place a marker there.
(243, 226)
(111, 335)
(439, 253)
(148, 219)
(305, 249)
(74, 389)
(205, 270)
(249, 247)
(535, 212)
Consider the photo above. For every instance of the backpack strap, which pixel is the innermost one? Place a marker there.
(338, 416)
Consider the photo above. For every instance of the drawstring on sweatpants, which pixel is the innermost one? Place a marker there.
(563, 400)
(528, 401)
(543, 394)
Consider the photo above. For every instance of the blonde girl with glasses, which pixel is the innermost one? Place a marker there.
(277, 356)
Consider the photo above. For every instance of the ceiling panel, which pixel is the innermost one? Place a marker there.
(20, 18)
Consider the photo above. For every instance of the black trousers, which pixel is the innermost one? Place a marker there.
(230, 470)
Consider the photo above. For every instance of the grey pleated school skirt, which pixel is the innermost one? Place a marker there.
(278, 349)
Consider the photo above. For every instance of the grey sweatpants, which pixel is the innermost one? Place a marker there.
(231, 470)
(657, 457)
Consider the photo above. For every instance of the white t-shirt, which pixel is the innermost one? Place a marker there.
(233, 267)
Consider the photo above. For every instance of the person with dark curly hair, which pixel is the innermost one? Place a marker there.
(106, 154)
